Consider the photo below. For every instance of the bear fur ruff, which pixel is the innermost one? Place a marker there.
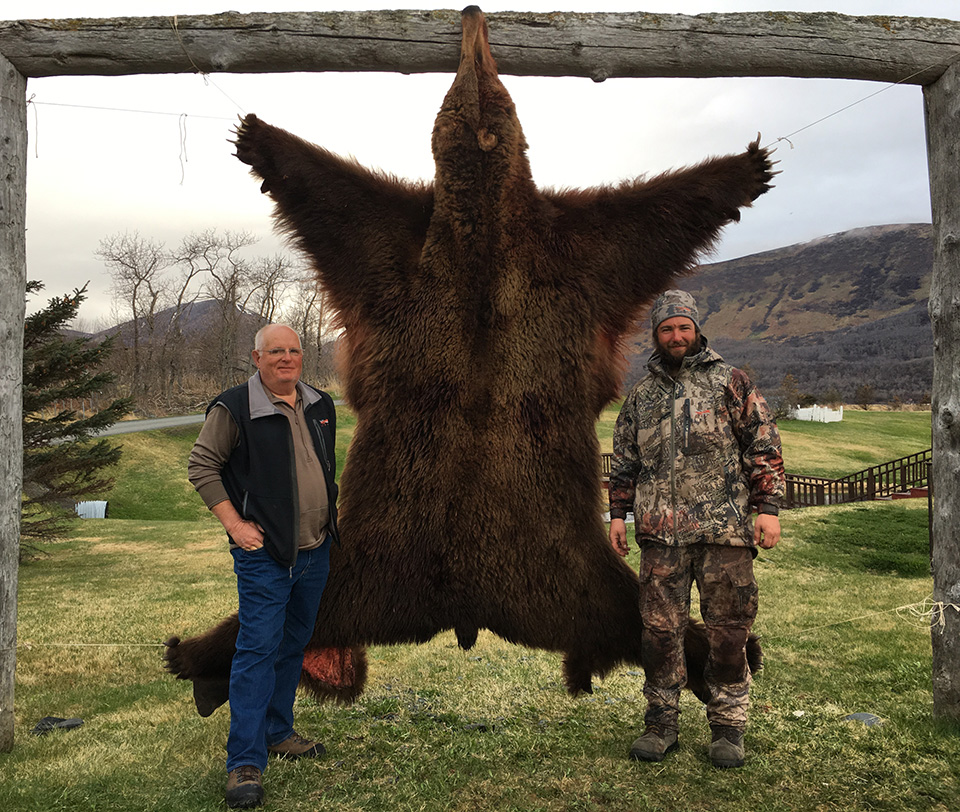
(484, 321)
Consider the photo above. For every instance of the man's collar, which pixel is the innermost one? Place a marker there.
(261, 404)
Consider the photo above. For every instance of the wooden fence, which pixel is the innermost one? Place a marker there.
(878, 482)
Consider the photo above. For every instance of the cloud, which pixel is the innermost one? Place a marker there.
(152, 153)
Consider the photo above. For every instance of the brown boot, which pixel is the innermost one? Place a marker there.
(654, 744)
(295, 746)
(726, 747)
(244, 788)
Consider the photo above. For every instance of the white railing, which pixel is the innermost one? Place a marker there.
(818, 414)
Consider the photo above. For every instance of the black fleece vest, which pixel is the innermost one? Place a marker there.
(260, 476)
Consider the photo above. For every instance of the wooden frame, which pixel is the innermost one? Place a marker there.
(597, 45)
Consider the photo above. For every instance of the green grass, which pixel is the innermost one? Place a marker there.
(492, 729)
(151, 478)
(860, 440)
(489, 729)
(882, 542)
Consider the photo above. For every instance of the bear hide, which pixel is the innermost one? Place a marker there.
(484, 322)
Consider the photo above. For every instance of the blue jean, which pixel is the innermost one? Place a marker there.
(278, 610)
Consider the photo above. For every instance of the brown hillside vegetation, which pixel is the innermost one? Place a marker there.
(838, 312)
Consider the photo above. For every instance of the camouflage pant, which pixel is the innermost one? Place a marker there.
(728, 605)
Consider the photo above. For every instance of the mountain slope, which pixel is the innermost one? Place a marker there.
(837, 312)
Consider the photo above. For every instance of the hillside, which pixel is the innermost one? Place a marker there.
(837, 312)
(196, 319)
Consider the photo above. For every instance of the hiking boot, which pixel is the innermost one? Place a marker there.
(726, 747)
(654, 744)
(295, 746)
(244, 788)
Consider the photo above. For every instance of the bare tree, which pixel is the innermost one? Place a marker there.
(270, 280)
(137, 265)
(229, 276)
(170, 363)
(831, 397)
(312, 316)
(185, 289)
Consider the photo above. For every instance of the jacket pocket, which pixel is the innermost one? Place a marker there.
(323, 444)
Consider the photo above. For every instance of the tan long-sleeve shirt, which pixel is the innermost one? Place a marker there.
(218, 438)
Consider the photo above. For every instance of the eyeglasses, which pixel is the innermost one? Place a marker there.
(276, 352)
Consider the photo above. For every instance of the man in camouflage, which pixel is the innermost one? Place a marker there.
(697, 460)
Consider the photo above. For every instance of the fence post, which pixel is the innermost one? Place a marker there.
(930, 511)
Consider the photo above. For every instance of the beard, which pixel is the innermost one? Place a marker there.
(672, 362)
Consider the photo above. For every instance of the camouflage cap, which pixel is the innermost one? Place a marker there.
(672, 303)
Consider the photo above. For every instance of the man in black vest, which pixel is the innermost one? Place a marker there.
(264, 464)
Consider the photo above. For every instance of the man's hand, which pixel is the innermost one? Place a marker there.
(246, 534)
(766, 530)
(618, 537)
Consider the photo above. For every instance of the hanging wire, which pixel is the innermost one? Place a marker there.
(36, 125)
(182, 122)
(869, 96)
(138, 111)
(206, 76)
(925, 614)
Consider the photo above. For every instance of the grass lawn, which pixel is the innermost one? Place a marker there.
(488, 729)
(841, 618)
(860, 440)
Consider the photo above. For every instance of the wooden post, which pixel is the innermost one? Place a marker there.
(942, 110)
(13, 268)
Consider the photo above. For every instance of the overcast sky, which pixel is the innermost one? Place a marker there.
(150, 154)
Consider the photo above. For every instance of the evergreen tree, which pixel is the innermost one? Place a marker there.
(62, 461)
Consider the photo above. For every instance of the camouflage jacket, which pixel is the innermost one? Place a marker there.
(695, 456)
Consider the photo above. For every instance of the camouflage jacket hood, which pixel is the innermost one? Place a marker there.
(695, 455)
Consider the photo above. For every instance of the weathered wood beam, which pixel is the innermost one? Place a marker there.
(595, 45)
(13, 264)
(943, 124)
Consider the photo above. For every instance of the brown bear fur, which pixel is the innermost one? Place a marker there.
(484, 321)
